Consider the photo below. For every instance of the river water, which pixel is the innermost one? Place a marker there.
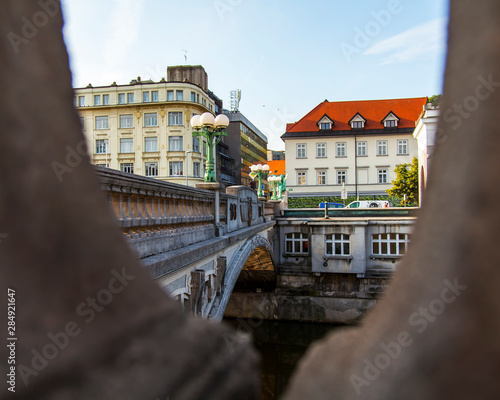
(281, 345)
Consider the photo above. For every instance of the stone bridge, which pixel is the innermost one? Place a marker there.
(195, 243)
(202, 245)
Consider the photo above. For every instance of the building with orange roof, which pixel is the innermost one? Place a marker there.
(355, 143)
(276, 167)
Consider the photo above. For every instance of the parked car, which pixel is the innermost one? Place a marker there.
(331, 205)
(368, 204)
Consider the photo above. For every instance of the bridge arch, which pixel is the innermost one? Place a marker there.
(234, 269)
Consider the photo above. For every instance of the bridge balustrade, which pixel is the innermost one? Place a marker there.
(159, 216)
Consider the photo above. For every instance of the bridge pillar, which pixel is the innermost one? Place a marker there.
(221, 271)
(197, 284)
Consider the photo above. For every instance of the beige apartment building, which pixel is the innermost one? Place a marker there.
(143, 127)
(353, 143)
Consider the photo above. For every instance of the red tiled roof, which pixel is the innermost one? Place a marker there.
(341, 112)
(276, 165)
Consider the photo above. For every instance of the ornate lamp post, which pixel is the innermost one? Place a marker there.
(259, 171)
(274, 181)
(277, 182)
(211, 128)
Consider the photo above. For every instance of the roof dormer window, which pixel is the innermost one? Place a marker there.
(357, 122)
(390, 121)
(325, 123)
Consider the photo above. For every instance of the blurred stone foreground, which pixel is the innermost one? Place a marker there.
(434, 335)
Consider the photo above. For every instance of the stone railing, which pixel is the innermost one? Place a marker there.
(149, 211)
(160, 216)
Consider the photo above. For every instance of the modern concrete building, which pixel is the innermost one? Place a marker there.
(143, 127)
(425, 133)
(247, 146)
(356, 143)
(275, 155)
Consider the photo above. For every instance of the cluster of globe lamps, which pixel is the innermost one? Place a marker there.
(259, 171)
(211, 128)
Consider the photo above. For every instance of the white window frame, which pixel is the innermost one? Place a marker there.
(175, 118)
(321, 150)
(81, 101)
(321, 178)
(105, 99)
(150, 144)
(126, 145)
(390, 244)
(357, 125)
(97, 100)
(130, 96)
(176, 168)
(145, 97)
(382, 148)
(301, 149)
(403, 147)
(341, 176)
(325, 126)
(102, 146)
(151, 169)
(154, 96)
(175, 143)
(382, 176)
(362, 149)
(390, 123)
(338, 243)
(340, 149)
(101, 122)
(121, 98)
(150, 119)
(301, 177)
(127, 167)
(296, 241)
(126, 121)
(179, 95)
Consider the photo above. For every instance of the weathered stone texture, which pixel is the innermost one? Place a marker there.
(61, 247)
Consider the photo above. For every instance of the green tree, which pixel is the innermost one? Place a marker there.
(406, 182)
(435, 100)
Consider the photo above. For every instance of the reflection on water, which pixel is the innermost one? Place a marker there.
(281, 345)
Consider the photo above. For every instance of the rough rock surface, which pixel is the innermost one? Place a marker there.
(90, 322)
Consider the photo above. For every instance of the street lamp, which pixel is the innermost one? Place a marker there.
(187, 167)
(259, 171)
(277, 183)
(273, 182)
(211, 128)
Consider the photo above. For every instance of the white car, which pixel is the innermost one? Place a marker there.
(368, 204)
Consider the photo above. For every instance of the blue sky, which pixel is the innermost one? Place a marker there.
(285, 56)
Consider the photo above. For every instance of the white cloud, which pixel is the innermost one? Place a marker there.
(413, 43)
